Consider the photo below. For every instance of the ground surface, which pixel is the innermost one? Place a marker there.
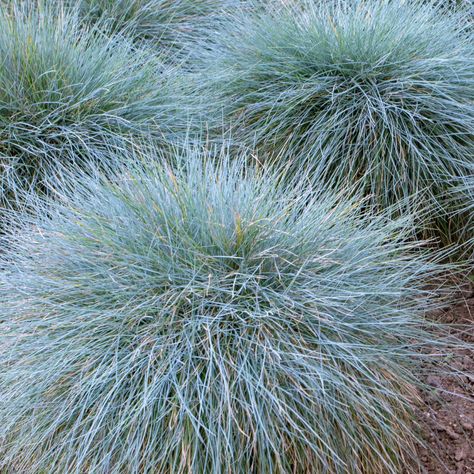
(447, 419)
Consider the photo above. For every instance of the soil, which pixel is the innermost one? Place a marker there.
(447, 419)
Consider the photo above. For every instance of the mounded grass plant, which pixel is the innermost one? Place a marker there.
(203, 320)
(379, 91)
(67, 91)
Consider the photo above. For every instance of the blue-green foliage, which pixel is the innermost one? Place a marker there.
(165, 23)
(66, 91)
(466, 192)
(202, 320)
(376, 90)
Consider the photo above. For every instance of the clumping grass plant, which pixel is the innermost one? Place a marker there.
(66, 91)
(202, 320)
(376, 90)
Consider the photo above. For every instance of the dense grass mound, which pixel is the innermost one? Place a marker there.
(374, 89)
(66, 91)
(202, 321)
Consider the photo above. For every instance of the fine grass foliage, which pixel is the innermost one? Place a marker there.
(465, 191)
(379, 91)
(66, 91)
(201, 320)
(165, 23)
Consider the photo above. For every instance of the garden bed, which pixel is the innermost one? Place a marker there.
(448, 418)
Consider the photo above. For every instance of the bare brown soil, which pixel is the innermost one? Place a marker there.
(447, 419)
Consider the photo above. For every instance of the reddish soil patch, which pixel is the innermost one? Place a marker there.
(447, 419)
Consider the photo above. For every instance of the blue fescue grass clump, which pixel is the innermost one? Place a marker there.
(201, 320)
(378, 90)
(66, 91)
